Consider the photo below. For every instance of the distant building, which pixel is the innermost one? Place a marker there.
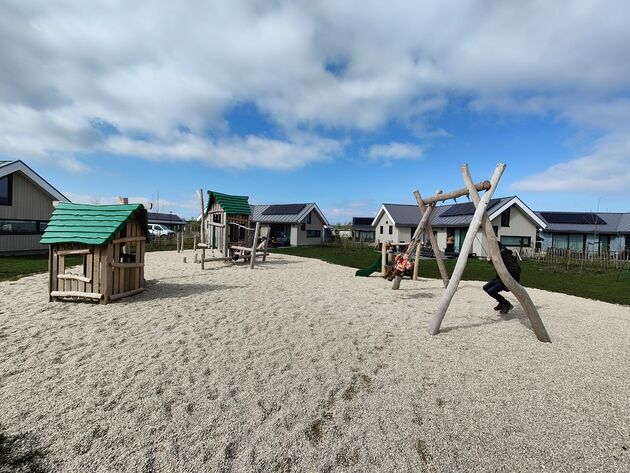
(172, 221)
(362, 229)
(514, 224)
(26, 204)
(586, 231)
(292, 224)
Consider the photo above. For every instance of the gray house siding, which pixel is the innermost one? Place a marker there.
(29, 203)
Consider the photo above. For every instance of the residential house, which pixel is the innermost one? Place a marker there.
(515, 224)
(585, 232)
(170, 220)
(26, 204)
(362, 229)
(292, 224)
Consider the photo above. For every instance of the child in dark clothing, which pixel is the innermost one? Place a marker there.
(496, 285)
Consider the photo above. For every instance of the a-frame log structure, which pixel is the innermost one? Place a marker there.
(481, 220)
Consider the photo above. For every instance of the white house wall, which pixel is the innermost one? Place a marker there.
(300, 235)
(386, 223)
(520, 225)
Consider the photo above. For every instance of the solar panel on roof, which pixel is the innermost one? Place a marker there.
(467, 208)
(286, 209)
(362, 220)
(573, 218)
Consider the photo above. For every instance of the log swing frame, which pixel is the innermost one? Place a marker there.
(480, 220)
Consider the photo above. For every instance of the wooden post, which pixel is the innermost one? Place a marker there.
(266, 244)
(383, 258)
(434, 327)
(495, 254)
(439, 257)
(202, 229)
(252, 256)
(416, 263)
(195, 243)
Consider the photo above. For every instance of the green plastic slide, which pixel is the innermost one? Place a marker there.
(376, 266)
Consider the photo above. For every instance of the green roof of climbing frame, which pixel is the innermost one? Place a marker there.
(231, 204)
(90, 224)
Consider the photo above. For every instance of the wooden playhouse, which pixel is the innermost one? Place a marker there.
(110, 239)
(227, 222)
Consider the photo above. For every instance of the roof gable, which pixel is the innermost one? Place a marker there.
(231, 204)
(9, 167)
(91, 224)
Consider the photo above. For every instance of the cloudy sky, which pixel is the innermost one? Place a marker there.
(345, 103)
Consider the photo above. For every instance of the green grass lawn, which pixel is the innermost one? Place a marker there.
(591, 283)
(15, 267)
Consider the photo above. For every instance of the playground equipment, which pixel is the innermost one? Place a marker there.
(110, 238)
(480, 219)
(225, 227)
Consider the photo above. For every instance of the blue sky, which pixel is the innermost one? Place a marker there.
(347, 104)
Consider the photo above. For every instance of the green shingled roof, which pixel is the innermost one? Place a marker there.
(231, 204)
(90, 224)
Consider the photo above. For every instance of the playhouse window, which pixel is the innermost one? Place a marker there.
(313, 233)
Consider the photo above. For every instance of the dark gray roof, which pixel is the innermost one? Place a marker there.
(259, 213)
(155, 217)
(615, 222)
(410, 214)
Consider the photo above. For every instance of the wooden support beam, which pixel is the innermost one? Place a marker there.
(113, 297)
(266, 244)
(441, 197)
(495, 254)
(416, 264)
(202, 229)
(434, 326)
(439, 256)
(254, 246)
(383, 259)
(85, 251)
(128, 239)
(88, 295)
(74, 277)
(127, 265)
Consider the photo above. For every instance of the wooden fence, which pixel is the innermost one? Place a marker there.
(590, 259)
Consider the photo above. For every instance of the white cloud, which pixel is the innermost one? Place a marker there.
(149, 73)
(394, 150)
(606, 170)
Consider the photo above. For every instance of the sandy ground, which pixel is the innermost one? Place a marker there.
(298, 365)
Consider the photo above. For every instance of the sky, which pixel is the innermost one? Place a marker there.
(349, 104)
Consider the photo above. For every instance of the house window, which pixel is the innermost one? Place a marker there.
(6, 189)
(22, 227)
(505, 218)
(573, 242)
(313, 233)
(308, 218)
(381, 229)
(391, 230)
(303, 227)
(519, 241)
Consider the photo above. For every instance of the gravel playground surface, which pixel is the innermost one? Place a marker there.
(298, 365)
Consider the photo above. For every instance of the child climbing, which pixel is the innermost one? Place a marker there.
(495, 286)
